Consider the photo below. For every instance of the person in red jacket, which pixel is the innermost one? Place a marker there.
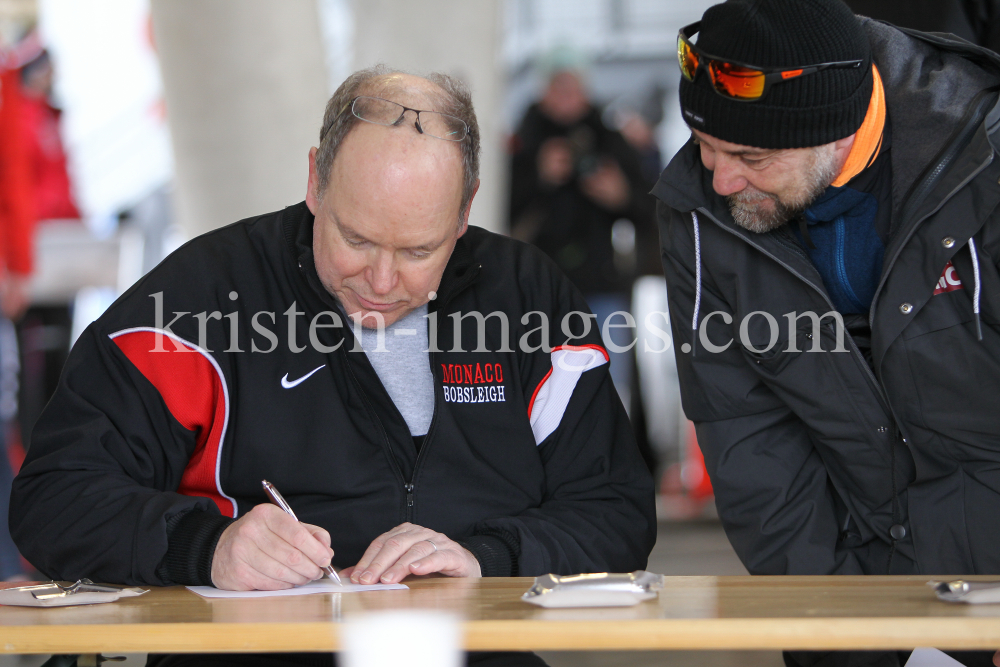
(52, 197)
(16, 206)
(15, 259)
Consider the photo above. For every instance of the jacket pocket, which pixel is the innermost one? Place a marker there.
(943, 311)
(772, 350)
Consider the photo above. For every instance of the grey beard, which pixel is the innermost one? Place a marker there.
(751, 217)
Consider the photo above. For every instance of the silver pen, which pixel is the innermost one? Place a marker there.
(279, 500)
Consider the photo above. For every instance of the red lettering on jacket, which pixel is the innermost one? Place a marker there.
(478, 373)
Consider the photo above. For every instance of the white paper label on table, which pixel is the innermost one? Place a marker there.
(931, 657)
(313, 587)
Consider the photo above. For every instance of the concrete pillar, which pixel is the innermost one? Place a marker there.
(245, 87)
(457, 37)
(15, 16)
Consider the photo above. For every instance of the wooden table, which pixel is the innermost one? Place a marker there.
(691, 613)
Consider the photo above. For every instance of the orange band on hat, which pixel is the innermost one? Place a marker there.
(868, 138)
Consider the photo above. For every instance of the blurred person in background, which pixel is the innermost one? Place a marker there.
(636, 120)
(43, 328)
(16, 224)
(34, 186)
(640, 135)
(52, 197)
(579, 193)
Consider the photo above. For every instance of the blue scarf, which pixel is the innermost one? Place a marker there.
(848, 250)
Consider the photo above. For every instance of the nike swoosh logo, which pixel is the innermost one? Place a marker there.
(295, 383)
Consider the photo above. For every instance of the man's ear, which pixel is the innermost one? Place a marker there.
(842, 149)
(312, 187)
(468, 209)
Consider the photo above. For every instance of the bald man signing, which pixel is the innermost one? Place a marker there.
(429, 397)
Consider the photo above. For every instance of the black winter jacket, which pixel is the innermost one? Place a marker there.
(143, 457)
(821, 463)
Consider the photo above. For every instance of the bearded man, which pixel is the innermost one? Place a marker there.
(831, 247)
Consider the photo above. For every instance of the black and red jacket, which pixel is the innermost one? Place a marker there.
(153, 442)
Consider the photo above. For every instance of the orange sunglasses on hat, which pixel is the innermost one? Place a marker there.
(738, 81)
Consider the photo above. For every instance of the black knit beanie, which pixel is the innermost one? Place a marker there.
(815, 109)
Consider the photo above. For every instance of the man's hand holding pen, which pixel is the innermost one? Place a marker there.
(267, 550)
(270, 549)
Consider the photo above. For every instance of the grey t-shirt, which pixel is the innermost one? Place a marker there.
(403, 365)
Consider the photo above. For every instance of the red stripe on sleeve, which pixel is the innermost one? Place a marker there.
(192, 386)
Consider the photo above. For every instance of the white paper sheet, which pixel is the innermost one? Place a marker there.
(931, 657)
(320, 586)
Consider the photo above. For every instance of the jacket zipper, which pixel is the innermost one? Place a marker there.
(410, 486)
(407, 486)
(422, 454)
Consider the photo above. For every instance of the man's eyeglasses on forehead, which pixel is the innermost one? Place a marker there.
(739, 81)
(432, 123)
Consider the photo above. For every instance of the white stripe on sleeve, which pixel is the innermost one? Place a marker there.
(548, 405)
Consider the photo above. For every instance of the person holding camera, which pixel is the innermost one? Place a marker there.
(578, 194)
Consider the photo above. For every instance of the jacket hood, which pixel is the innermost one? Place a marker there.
(930, 79)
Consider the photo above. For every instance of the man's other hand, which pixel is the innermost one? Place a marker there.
(555, 162)
(409, 549)
(607, 186)
(268, 550)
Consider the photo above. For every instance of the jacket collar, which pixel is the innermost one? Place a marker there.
(461, 271)
(931, 80)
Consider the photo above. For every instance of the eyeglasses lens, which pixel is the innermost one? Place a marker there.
(735, 81)
(687, 58)
(383, 112)
(378, 111)
(442, 126)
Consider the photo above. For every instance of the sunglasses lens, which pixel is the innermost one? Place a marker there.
(687, 58)
(738, 82)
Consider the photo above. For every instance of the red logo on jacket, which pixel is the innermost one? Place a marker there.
(949, 280)
(473, 374)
